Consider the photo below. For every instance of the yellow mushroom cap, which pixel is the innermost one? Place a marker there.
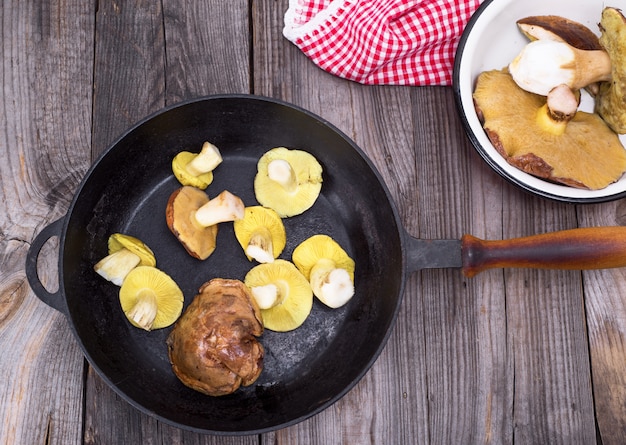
(295, 297)
(305, 184)
(261, 226)
(179, 168)
(119, 241)
(310, 251)
(150, 298)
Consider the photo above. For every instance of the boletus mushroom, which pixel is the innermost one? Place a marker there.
(584, 152)
(150, 298)
(287, 181)
(125, 253)
(213, 347)
(194, 219)
(196, 169)
(611, 99)
(261, 234)
(561, 29)
(283, 294)
(544, 64)
(328, 268)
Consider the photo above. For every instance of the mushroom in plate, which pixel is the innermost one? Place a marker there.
(544, 64)
(328, 268)
(194, 219)
(125, 253)
(283, 294)
(150, 298)
(560, 29)
(611, 99)
(196, 169)
(588, 154)
(261, 234)
(287, 181)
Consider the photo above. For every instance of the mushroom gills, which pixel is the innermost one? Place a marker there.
(261, 234)
(288, 181)
(150, 298)
(283, 294)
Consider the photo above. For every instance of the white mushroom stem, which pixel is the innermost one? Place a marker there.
(205, 161)
(544, 64)
(260, 246)
(116, 266)
(280, 171)
(265, 296)
(560, 107)
(224, 207)
(144, 312)
(331, 285)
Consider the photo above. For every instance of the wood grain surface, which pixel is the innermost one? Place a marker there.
(509, 356)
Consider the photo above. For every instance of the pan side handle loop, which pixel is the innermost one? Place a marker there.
(52, 299)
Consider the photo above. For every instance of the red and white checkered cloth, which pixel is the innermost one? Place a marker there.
(395, 42)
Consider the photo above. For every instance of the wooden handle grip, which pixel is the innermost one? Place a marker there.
(585, 248)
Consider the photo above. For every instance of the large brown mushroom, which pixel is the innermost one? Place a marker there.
(584, 153)
(213, 347)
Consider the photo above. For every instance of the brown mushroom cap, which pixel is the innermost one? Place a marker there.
(560, 29)
(213, 347)
(587, 155)
(199, 241)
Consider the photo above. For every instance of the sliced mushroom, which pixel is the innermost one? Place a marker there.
(283, 294)
(287, 181)
(125, 253)
(587, 154)
(196, 169)
(611, 99)
(150, 298)
(261, 234)
(328, 268)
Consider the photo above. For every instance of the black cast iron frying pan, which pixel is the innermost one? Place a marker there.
(305, 370)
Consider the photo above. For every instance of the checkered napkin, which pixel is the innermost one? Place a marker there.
(395, 42)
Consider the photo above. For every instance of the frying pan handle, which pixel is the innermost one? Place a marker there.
(575, 249)
(52, 299)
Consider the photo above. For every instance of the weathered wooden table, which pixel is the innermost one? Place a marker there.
(510, 356)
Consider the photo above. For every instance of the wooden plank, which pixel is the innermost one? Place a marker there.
(149, 55)
(467, 358)
(606, 324)
(553, 400)
(45, 97)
